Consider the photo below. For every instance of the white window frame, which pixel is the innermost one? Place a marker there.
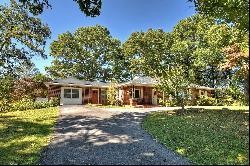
(71, 94)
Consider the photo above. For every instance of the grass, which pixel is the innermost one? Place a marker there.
(221, 107)
(23, 135)
(207, 137)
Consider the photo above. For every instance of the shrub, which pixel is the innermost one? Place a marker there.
(226, 101)
(206, 101)
(112, 94)
(26, 104)
(54, 101)
(5, 105)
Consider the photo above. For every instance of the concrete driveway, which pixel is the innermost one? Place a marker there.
(85, 136)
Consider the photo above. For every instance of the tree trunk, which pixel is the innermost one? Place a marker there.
(247, 89)
(182, 106)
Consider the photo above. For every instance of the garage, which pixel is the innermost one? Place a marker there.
(71, 95)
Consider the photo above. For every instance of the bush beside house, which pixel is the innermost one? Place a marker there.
(26, 104)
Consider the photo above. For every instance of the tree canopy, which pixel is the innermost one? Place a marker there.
(21, 37)
(230, 11)
(89, 53)
(148, 53)
(89, 7)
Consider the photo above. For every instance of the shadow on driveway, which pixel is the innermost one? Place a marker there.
(98, 137)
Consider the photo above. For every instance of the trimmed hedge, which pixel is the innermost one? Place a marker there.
(26, 104)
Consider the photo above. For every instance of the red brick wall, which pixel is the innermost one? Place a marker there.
(54, 91)
(147, 94)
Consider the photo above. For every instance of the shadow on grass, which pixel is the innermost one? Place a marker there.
(21, 140)
(209, 137)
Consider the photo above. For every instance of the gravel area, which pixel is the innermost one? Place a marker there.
(91, 136)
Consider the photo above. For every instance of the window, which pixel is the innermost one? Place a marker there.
(103, 94)
(67, 93)
(71, 93)
(137, 93)
(75, 93)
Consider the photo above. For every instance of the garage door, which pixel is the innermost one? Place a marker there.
(71, 95)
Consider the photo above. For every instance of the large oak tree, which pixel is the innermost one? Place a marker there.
(21, 37)
(89, 53)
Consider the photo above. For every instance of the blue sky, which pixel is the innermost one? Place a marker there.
(121, 17)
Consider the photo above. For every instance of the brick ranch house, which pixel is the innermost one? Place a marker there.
(139, 91)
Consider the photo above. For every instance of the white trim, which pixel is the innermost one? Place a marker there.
(70, 100)
(83, 95)
(154, 98)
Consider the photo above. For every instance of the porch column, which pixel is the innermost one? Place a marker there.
(83, 94)
(133, 92)
(141, 92)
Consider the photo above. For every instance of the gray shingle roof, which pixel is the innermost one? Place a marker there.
(141, 80)
(73, 81)
(200, 87)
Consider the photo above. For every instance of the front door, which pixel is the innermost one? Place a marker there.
(154, 97)
(95, 96)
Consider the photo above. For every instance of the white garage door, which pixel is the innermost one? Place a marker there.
(71, 95)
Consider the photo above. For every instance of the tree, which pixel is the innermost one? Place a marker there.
(112, 93)
(230, 11)
(238, 60)
(176, 81)
(6, 84)
(237, 14)
(89, 53)
(30, 87)
(198, 44)
(89, 7)
(21, 37)
(148, 52)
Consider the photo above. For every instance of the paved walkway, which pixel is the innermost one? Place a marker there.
(85, 136)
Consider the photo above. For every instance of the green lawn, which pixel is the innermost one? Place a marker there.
(204, 137)
(23, 134)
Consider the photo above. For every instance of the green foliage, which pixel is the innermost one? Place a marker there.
(6, 84)
(230, 11)
(206, 101)
(205, 137)
(26, 104)
(89, 53)
(175, 82)
(236, 14)
(24, 134)
(147, 53)
(89, 7)
(169, 103)
(112, 93)
(227, 97)
(21, 38)
(198, 44)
